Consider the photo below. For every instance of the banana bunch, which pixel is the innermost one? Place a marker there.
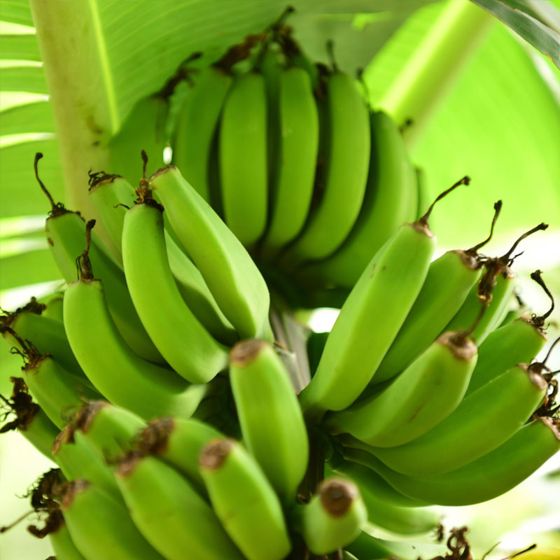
(189, 412)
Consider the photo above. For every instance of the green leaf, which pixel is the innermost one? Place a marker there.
(16, 11)
(537, 22)
(30, 117)
(19, 47)
(23, 78)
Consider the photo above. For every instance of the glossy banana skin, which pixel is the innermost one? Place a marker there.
(167, 319)
(482, 422)
(387, 289)
(63, 545)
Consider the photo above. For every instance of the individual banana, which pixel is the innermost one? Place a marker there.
(517, 342)
(62, 543)
(112, 195)
(197, 125)
(78, 458)
(30, 420)
(389, 201)
(66, 234)
(171, 515)
(298, 144)
(346, 153)
(271, 420)
(178, 442)
(53, 307)
(334, 517)
(228, 270)
(101, 527)
(482, 422)
(167, 319)
(243, 158)
(385, 292)
(427, 391)
(487, 477)
(114, 369)
(449, 280)
(244, 501)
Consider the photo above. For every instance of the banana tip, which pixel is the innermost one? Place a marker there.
(244, 352)
(215, 453)
(337, 496)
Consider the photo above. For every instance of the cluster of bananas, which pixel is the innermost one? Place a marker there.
(184, 424)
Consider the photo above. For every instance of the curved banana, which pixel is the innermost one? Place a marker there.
(449, 280)
(275, 435)
(171, 515)
(111, 196)
(100, 526)
(167, 319)
(385, 293)
(113, 368)
(487, 477)
(54, 306)
(428, 390)
(296, 159)
(197, 124)
(390, 200)
(334, 517)
(228, 270)
(346, 152)
(244, 501)
(517, 342)
(30, 420)
(482, 422)
(243, 158)
(58, 392)
(66, 234)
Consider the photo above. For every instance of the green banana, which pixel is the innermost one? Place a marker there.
(167, 319)
(110, 429)
(62, 543)
(482, 422)
(197, 124)
(334, 517)
(385, 292)
(487, 477)
(178, 442)
(449, 280)
(66, 235)
(53, 309)
(243, 158)
(113, 368)
(78, 457)
(171, 515)
(231, 275)
(428, 390)
(244, 501)
(276, 438)
(389, 201)
(100, 526)
(296, 159)
(30, 420)
(112, 195)
(346, 152)
(517, 342)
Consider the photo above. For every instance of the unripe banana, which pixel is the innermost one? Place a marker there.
(334, 517)
(243, 158)
(483, 421)
(167, 319)
(197, 123)
(62, 543)
(487, 477)
(244, 501)
(296, 160)
(346, 148)
(429, 389)
(385, 292)
(101, 527)
(390, 200)
(449, 280)
(271, 420)
(227, 268)
(178, 442)
(169, 512)
(117, 372)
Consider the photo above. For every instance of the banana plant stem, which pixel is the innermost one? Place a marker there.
(435, 65)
